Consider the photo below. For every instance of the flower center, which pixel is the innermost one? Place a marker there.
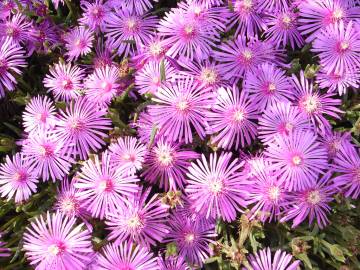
(76, 125)
(3, 66)
(20, 176)
(314, 197)
(216, 186)
(285, 128)
(156, 81)
(274, 193)
(296, 160)
(67, 84)
(337, 14)
(69, 205)
(189, 30)
(209, 76)
(129, 157)
(182, 105)
(357, 175)
(311, 104)
(189, 238)
(238, 116)
(164, 156)
(41, 117)
(197, 10)
(247, 54)
(80, 43)
(46, 150)
(106, 185)
(156, 49)
(135, 222)
(244, 6)
(343, 46)
(57, 249)
(132, 24)
(270, 88)
(12, 31)
(106, 86)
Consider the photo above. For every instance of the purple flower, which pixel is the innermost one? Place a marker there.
(312, 203)
(347, 164)
(64, 81)
(82, 127)
(56, 242)
(180, 107)
(137, 6)
(263, 260)
(152, 51)
(172, 263)
(11, 60)
(281, 119)
(231, 119)
(5, 252)
(275, 5)
(102, 186)
(192, 239)
(140, 219)
(146, 128)
(78, 42)
(268, 85)
(94, 14)
(298, 159)
(17, 180)
(208, 3)
(17, 28)
(47, 155)
(128, 152)
(127, 31)
(46, 36)
(215, 186)
(168, 163)
(103, 56)
(126, 256)
(333, 141)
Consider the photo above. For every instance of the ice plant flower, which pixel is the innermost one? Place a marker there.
(333, 141)
(312, 203)
(17, 180)
(64, 81)
(215, 186)
(94, 14)
(125, 256)
(181, 107)
(172, 263)
(142, 219)
(46, 36)
(78, 42)
(137, 6)
(82, 126)
(298, 159)
(11, 60)
(338, 47)
(152, 51)
(167, 164)
(264, 260)
(17, 28)
(231, 119)
(102, 186)
(275, 5)
(57, 242)
(146, 129)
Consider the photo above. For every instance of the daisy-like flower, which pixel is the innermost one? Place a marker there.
(149, 78)
(40, 114)
(137, 6)
(172, 263)
(268, 85)
(231, 119)
(56, 242)
(275, 5)
(126, 256)
(103, 56)
(102, 85)
(298, 158)
(64, 81)
(316, 15)
(78, 42)
(281, 119)
(168, 163)
(82, 127)
(338, 47)
(47, 155)
(46, 36)
(314, 104)
(145, 127)
(264, 260)
(312, 203)
(208, 3)
(215, 186)
(140, 219)
(94, 14)
(102, 186)
(17, 28)
(192, 239)
(180, 107)
(186, 37)
(17, 180)
(248, 17)
(11, 60)
(126, 31)
(152, 51)
(282, 29)
(238, 57)
(128, 152)
(333, 141)
(347, 163)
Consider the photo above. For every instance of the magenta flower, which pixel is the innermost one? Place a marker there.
(263, 260)
(145, 127)
(180, 107)
(333, 141)
(231, 119)
(137, 6)
(103, 56)
(192, 239)
(338, 48)
(78, 42)
(102, 85)
(298, 158)
(167, 164)
(64, 81)
(17, 180)
(152, 51)
(94, 14)
(312, 203)
(128, 152)
(281, 119)
(347, 163)
(82, 127)
(314, 104)
(39, 115)
(126, 256)
(17, 28)
(215, 186)
(126, 31)
(268, 85)
(172, 263)
(141, 219)
(209, 3)
(102, 187)
(46, 36)
(56, 242)
(11, 60)
(47, 155)
(275, 5)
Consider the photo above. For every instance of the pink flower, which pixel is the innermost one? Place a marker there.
(78, 42)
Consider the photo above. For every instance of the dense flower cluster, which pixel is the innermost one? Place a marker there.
(200, 90)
